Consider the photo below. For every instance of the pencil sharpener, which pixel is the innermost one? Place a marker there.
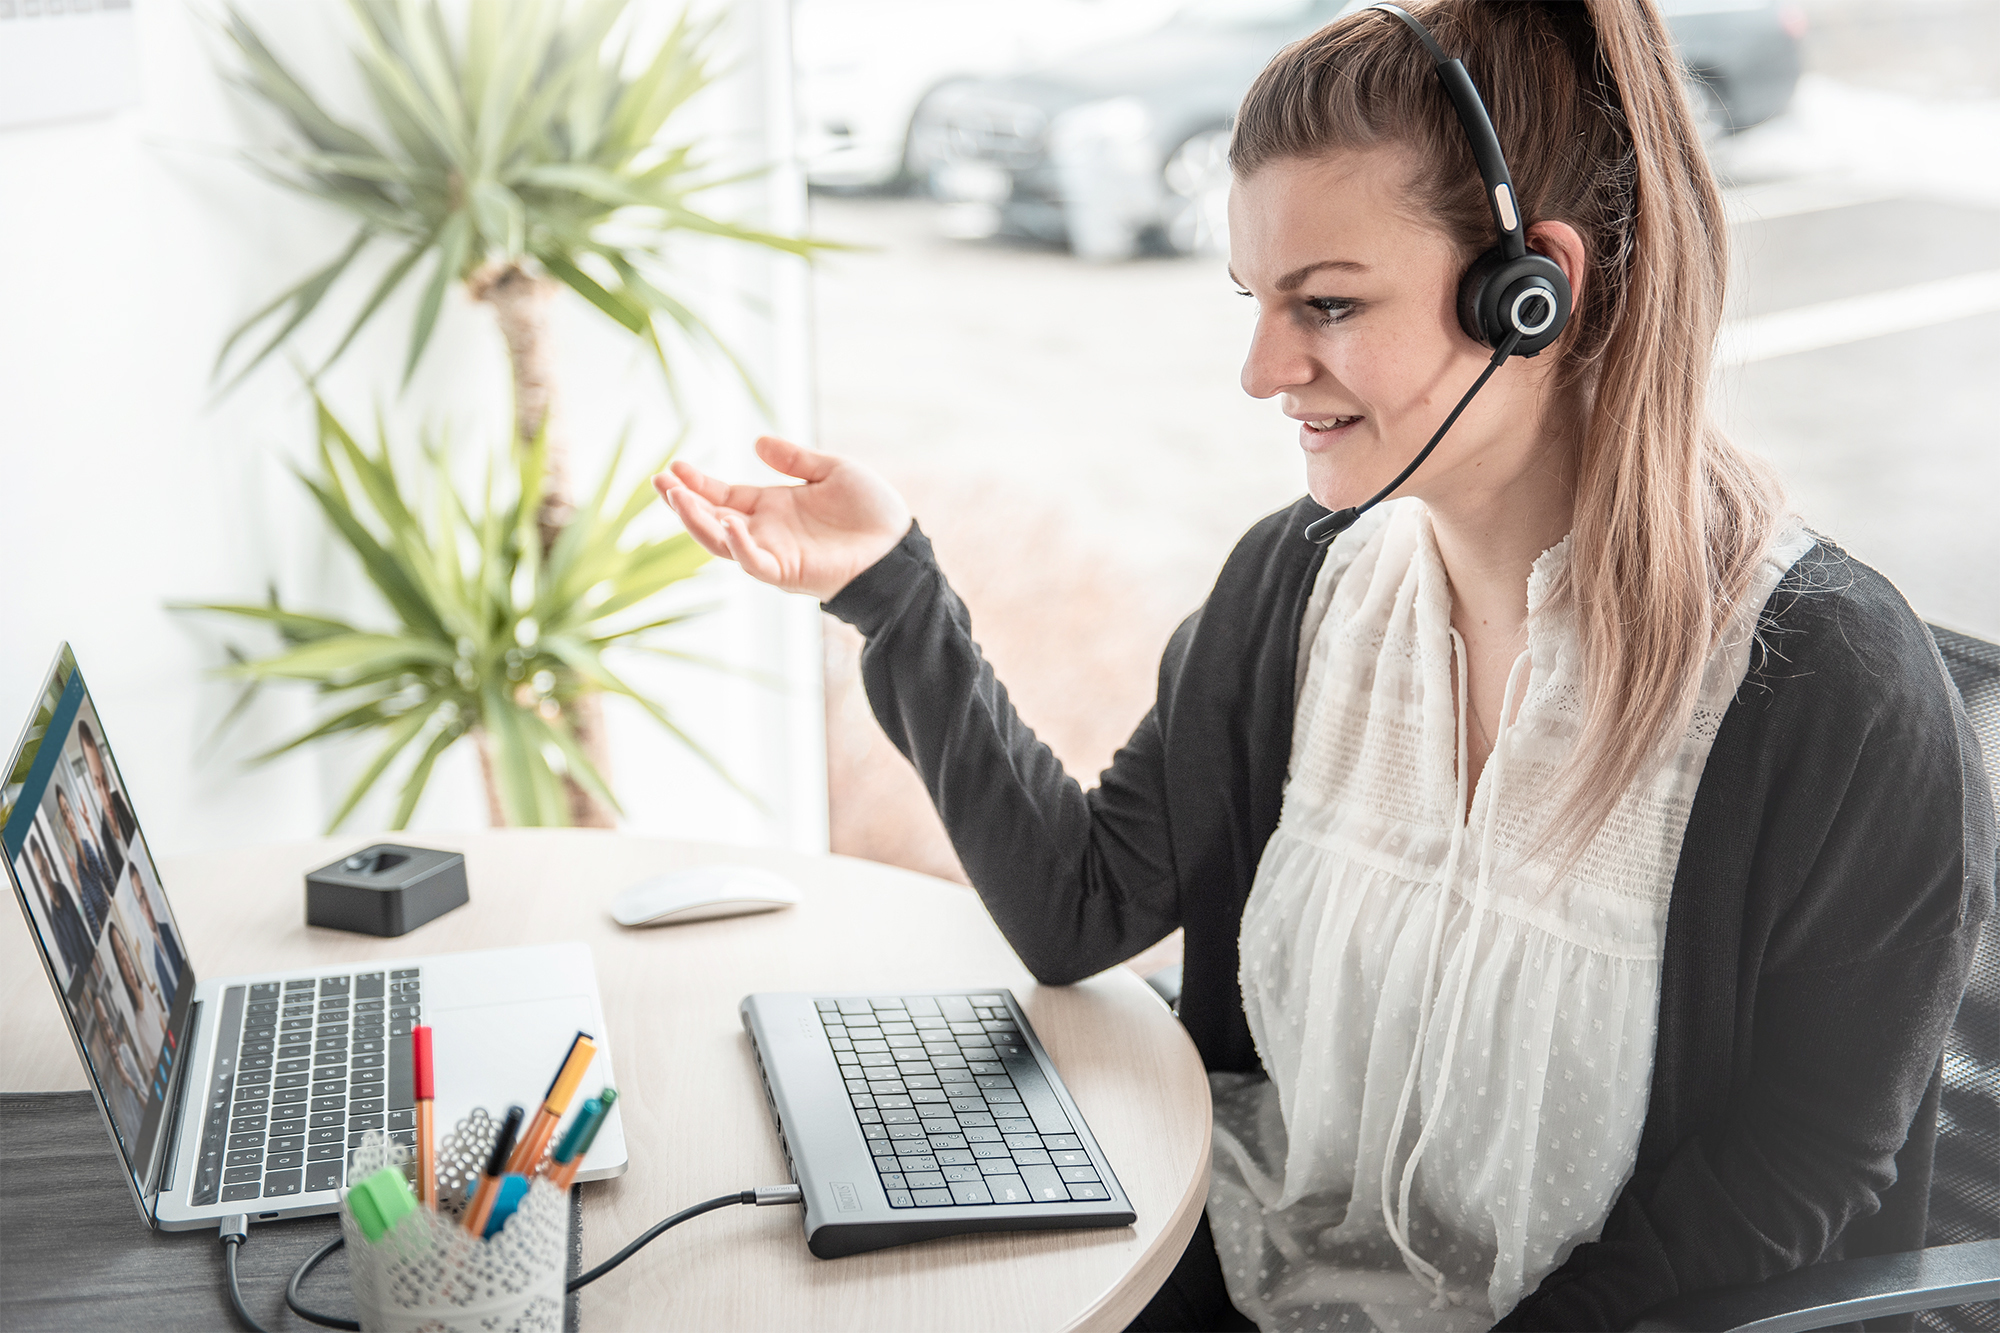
(386, 889)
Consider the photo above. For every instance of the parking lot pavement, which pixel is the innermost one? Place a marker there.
(1074, 439)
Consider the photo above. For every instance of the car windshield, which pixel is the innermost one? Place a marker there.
(1251, 13)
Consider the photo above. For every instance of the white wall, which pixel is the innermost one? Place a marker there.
(130, 244)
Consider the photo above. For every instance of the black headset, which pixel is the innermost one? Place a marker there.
(1511, 299)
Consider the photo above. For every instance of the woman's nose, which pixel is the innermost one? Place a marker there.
(1278, 358)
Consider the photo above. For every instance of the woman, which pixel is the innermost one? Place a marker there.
(1579, 861)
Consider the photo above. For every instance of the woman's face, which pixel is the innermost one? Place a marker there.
(1358, 336)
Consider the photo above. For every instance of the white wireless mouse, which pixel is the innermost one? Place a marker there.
(700, 894)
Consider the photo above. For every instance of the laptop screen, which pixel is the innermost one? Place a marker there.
(87, 883)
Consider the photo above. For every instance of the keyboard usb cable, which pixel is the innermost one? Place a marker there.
(236, 1231)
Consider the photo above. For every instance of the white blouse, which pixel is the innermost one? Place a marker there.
(1458, 1050)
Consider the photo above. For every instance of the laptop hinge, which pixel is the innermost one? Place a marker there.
(176, 1105)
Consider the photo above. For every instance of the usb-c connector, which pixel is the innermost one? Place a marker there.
(765, 1196)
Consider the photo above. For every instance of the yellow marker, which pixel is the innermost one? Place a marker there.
(528, 1155)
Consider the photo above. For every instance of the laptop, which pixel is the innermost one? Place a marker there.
(910, 1116)
(237, 1095)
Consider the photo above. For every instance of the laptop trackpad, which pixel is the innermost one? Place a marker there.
(507, 1053)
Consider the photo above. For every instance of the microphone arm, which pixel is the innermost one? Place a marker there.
(1321, 531)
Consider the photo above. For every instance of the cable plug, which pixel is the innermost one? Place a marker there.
(235, 1229)
(765, 1196)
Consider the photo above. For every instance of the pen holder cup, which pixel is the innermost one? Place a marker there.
(427, 1274)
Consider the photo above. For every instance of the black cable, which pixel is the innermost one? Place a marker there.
(295, 1301)
(230, 1244)
(720, 1201)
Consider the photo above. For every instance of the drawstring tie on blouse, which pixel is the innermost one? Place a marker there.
(1398, 1220)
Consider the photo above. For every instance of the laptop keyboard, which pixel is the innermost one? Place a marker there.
(955, 1107)
(306, 1067)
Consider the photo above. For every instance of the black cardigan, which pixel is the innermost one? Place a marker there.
(1837, 863)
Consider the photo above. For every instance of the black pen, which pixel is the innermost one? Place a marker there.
(489, 1180)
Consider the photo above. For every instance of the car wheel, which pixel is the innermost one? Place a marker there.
(1196, 174)
(1711, 116)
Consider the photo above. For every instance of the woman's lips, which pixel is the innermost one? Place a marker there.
(1324, 432)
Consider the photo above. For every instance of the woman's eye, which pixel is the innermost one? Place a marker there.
(1332, 309)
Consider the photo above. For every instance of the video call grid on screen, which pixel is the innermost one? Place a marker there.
(88, 882)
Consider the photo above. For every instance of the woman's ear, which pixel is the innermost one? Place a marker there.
(1563, 244)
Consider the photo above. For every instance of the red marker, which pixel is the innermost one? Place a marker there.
(420, 1049)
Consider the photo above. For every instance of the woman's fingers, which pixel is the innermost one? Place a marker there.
(759, 562)
(795, 460)
(695, 515)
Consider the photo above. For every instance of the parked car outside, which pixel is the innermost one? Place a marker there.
(1125, 148)
(864, 66)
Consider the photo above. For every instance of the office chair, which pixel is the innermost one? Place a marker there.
(1953, 1284)
(1961, 1259)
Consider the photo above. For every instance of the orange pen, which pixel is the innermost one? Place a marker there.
(420, 1050)
(528, 1155)
(489, 1181)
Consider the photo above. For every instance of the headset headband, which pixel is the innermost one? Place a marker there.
(1478, 132)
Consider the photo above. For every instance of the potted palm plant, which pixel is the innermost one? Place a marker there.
(520, 156)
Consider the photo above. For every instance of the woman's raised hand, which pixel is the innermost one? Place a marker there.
(813, 538)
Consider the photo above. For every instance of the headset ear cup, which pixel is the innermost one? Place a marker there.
(1497, 294)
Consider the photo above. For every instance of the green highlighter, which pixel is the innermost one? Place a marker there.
(381, 1201)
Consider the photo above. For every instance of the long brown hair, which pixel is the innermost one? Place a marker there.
(1671, 517)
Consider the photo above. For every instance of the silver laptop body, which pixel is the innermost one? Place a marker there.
(170, 1054)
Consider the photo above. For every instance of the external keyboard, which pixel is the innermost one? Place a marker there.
(955, 1107)
(303, 1069)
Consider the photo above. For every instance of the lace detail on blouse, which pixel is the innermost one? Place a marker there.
(1459, 1050)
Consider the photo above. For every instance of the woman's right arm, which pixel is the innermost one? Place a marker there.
(1076, 881)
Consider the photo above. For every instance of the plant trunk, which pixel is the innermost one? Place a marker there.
(520, 301)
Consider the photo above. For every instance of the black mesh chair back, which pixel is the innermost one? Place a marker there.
(1965, 1184)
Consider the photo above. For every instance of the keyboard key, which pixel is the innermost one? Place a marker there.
(326, 1152)
(370, 1122)
(953, 1156)
(1073, 1175)
(999, 1166)
(921, 1080)
(237, 1142)
(1055, 1141)
(1023, 1141)
(1088, 1192)
(236, 1175)
(1044, 1184)
(868, 1116)
(1031, 1157)
(283, 1182)
(921, 1180)
(285, 1161)
(970, 1192)
(987, 1067)
(232, 1193)
(898, 1102)
(1069, 1156)
(967, 1029)
(881, 1057)
(938, 1117)
(326, 1136)
(1008, 1189)
(245, 1157)
(248, 1124)
(890, 1002)
(327, 1103)
(1003, 1101)
(323, 1176)
(955, 1142)
(862, 1101)
(955, 1008)
(857, 1085)
(287, 1137)
(876, 1131)
(326, 1119)
(925, 1163)
(994, 1150)
(974, 1104)
(902, 1039)
(264, 990)
(934, 1096)
(901, 1199)
(893, 1180)
(932, 1198)
(827, 1005)
(915, 1132)
(920, 1004)
(1015, 1125)
(899, 1115)
(286, 1095)
(980, 1119)
(960, 1172)
(403, 1119)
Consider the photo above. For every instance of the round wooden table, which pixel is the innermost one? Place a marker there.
(695, 1120)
